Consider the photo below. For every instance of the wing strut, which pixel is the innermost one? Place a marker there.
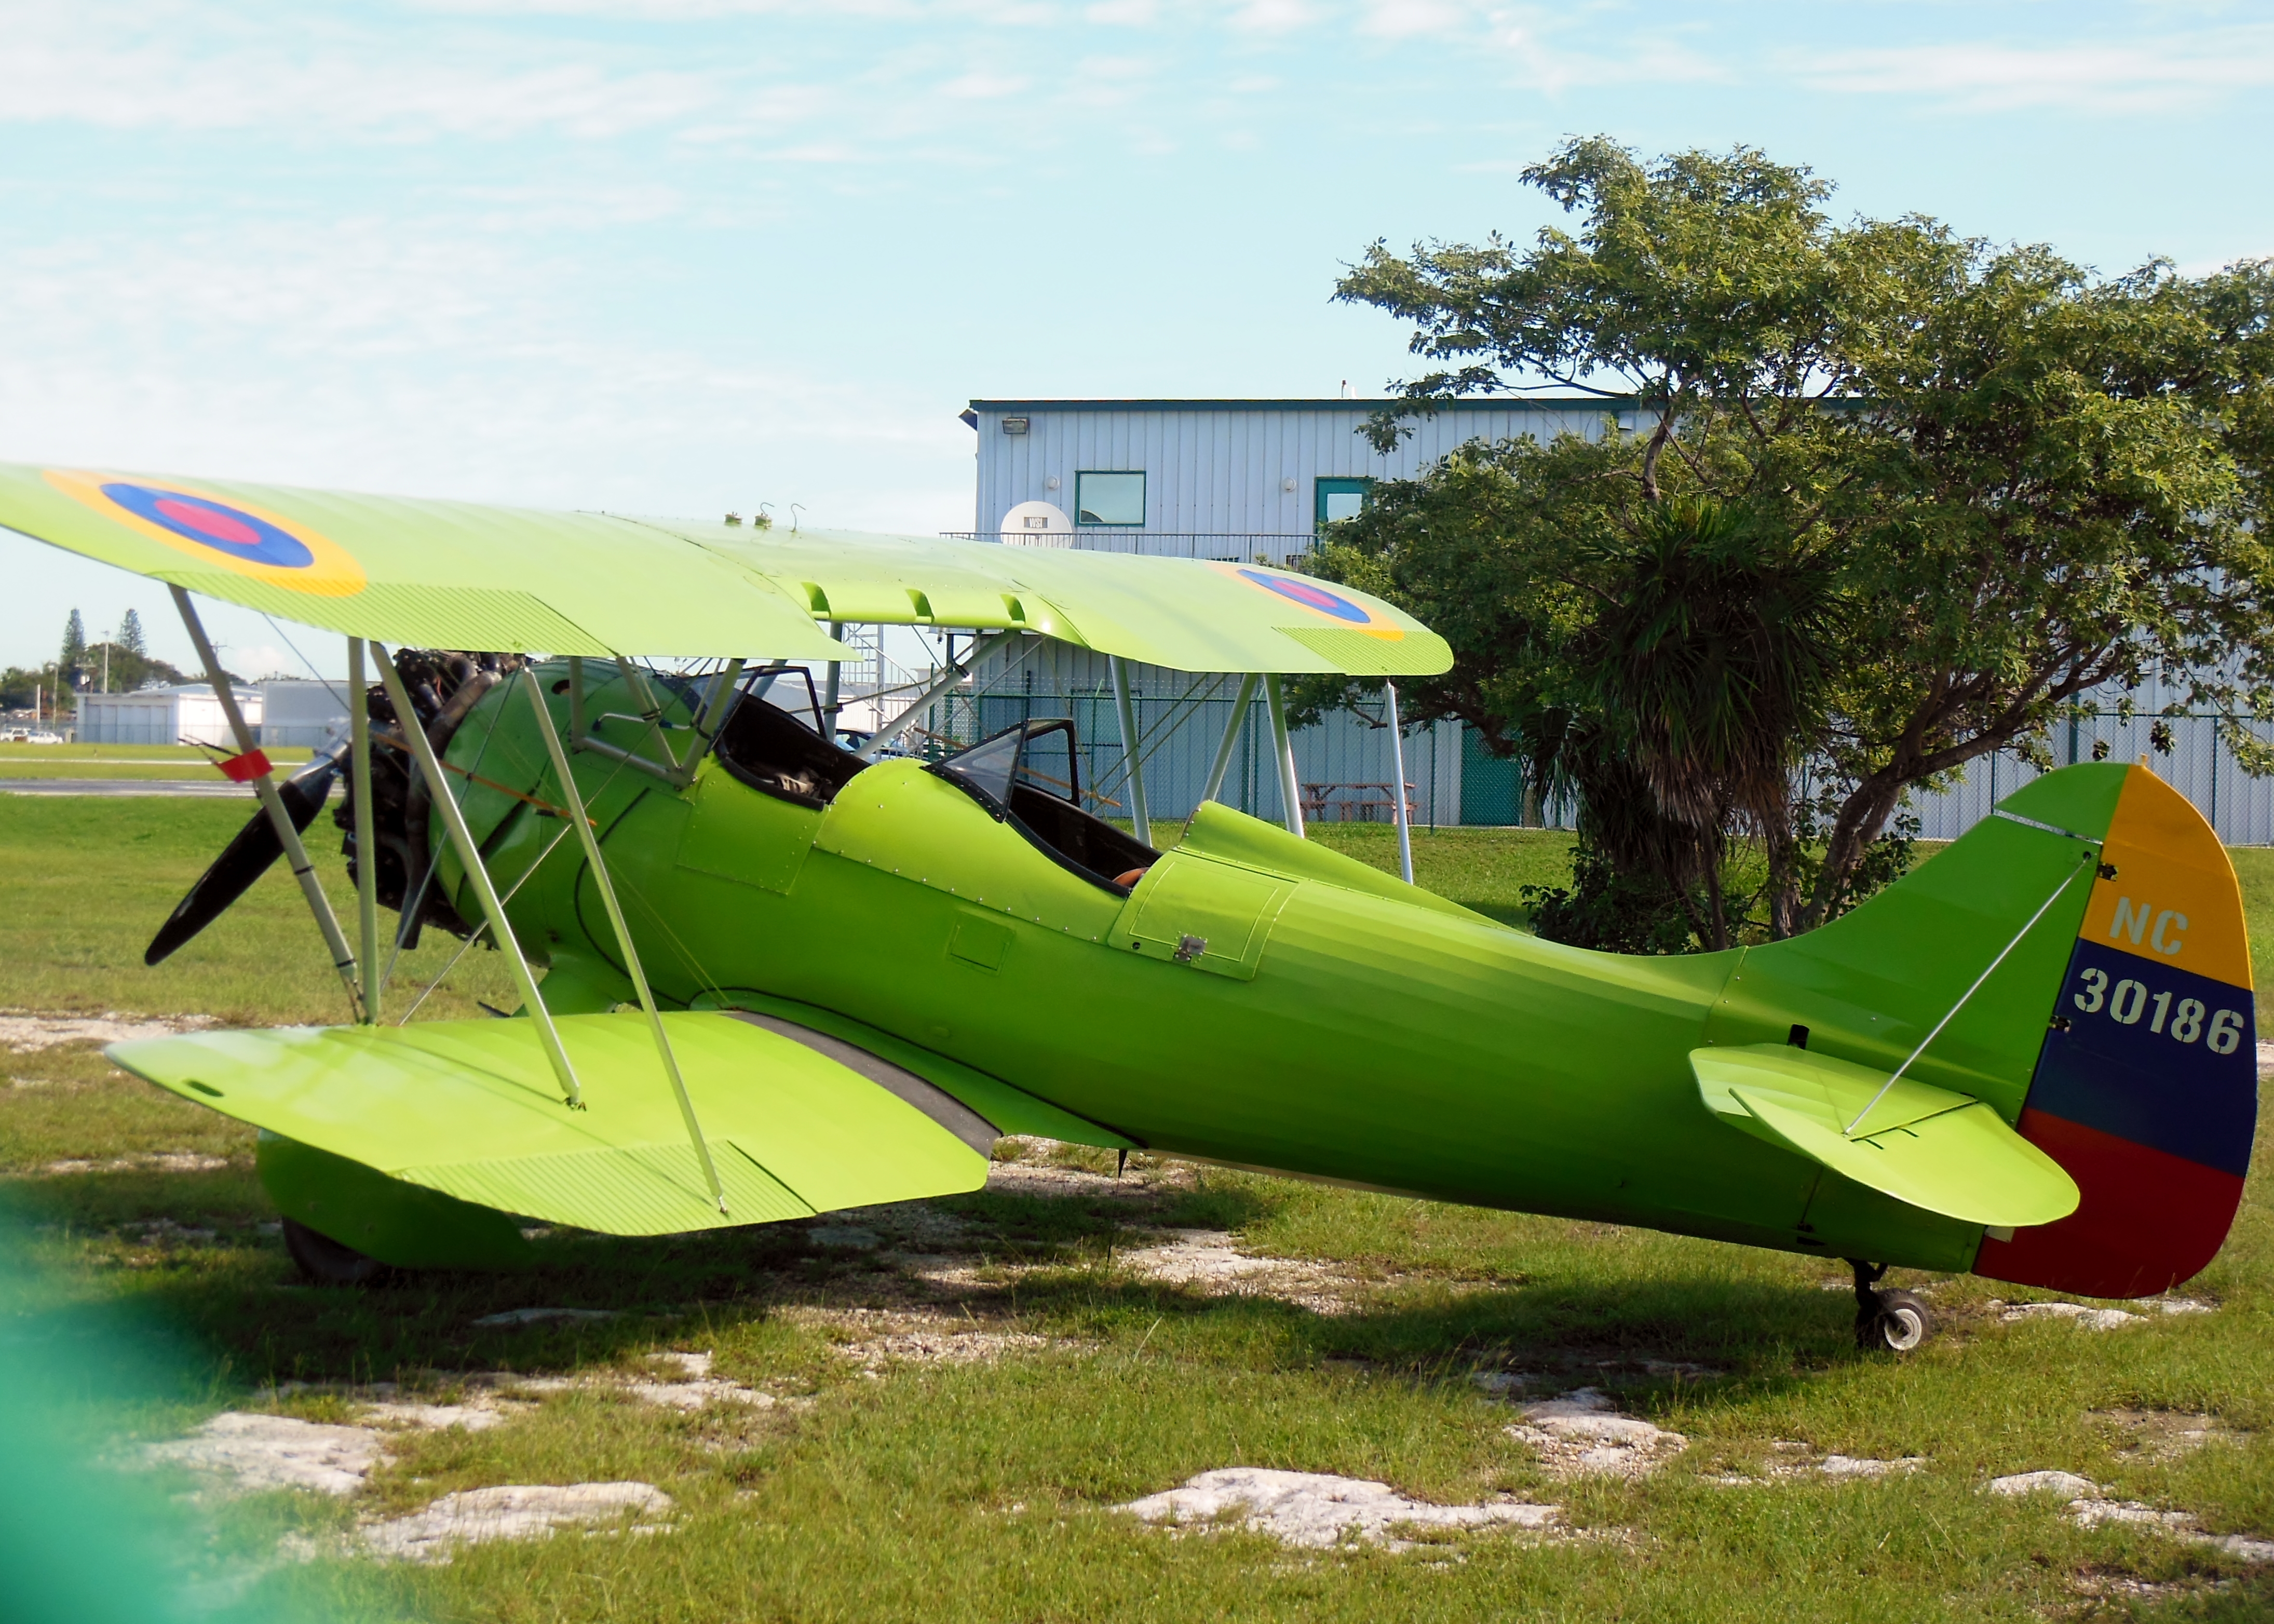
(955, 671)
(469, 854)
(1223, 763)
(366, 837)
(710, 716)
(1140, 822)
(1398, 765)
(343, 959)
(591, 843)
(1283, 753)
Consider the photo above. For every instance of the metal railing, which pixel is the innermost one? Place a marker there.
(1279, 549)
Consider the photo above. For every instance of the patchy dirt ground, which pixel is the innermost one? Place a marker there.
(25, 1033)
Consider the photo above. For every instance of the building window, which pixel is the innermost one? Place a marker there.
(1109, 498)
(1332, 501)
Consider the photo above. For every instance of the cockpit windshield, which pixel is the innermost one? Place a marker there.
(771, 746)
(1030, 776)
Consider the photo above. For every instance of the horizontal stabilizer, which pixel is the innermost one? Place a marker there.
(471, 1108)
(1946, 1151)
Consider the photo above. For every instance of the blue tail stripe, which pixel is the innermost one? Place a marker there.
(2169, 1089)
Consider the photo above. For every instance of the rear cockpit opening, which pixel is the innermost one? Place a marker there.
(1029, 776)
(773, 741)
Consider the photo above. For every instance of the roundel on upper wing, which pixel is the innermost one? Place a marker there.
(231, 536)
(1310, 594)
(244, 536)
(1321, 599)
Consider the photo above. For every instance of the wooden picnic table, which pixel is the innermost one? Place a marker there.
(1355, 803)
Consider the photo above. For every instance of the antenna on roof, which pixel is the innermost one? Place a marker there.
(1349, 394)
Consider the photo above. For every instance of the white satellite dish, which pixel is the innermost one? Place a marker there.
(1037, 524)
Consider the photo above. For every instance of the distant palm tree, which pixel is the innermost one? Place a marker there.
(1707, 666)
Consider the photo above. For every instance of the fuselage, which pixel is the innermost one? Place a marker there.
(1251, 1000)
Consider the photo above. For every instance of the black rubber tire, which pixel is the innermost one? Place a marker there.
(327, 1261)
(1902, 1323)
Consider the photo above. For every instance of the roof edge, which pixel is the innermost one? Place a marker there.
(1492, 403)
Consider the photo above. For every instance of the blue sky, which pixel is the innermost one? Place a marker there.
(686, 255)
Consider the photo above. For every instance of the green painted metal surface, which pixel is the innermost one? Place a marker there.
(1188, 614)
(1252, 1000)
(407, 1225)
(461, 576)
(470, 1109)
(1922, 1145)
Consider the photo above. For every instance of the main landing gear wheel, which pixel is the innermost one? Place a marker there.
(327, 1261)
(1894, 1321)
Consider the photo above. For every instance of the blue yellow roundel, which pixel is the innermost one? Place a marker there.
(225, 534)
(1321, 599)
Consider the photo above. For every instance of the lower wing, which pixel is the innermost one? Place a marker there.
(797, 1122)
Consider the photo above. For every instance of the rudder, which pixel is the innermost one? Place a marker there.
(2146, 1088)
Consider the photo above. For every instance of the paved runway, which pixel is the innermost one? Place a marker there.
(204, 789)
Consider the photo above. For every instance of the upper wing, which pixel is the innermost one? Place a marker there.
(460, 575)
(1187, 614)
(444, 574)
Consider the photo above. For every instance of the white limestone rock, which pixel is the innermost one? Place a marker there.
(435, 1417)
(258, 1452)
(2088, 1318)
(512, 1511)
(1582, 1435)
(1319, 1509)
(1853, 1466)
(2067, 1485)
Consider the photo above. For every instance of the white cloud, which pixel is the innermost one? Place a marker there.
(1271, 16)
(124, 79)
(1533, 41)
(2144, 74)
(981, 85)
(434, 360)
(1402, 19)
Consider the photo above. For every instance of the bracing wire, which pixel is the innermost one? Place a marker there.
(304, 660)
(2067, 881)
(528, 874)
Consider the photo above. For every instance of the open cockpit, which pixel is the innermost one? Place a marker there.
(768, 745)
(1029, 776)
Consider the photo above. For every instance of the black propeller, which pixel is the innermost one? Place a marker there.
(246, 858)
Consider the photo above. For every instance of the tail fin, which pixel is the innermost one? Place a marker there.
(2146, 1090)
(2117, 1035)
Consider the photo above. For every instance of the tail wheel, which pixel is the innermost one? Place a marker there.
(1899, 1324)
(327, 1261)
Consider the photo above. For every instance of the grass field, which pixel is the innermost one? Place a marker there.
(960, 1389)
(120, 761)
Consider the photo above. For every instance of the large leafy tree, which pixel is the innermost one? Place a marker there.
(1872, 500)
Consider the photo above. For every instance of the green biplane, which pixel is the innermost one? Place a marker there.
(781, 976)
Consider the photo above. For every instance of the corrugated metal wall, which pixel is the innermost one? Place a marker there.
(2199, 765)
(1222, 468)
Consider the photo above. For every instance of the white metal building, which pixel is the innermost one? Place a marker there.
(1243, 479)
(1235, 480)
(187, 713)
(1187, 477)
(302, 712)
